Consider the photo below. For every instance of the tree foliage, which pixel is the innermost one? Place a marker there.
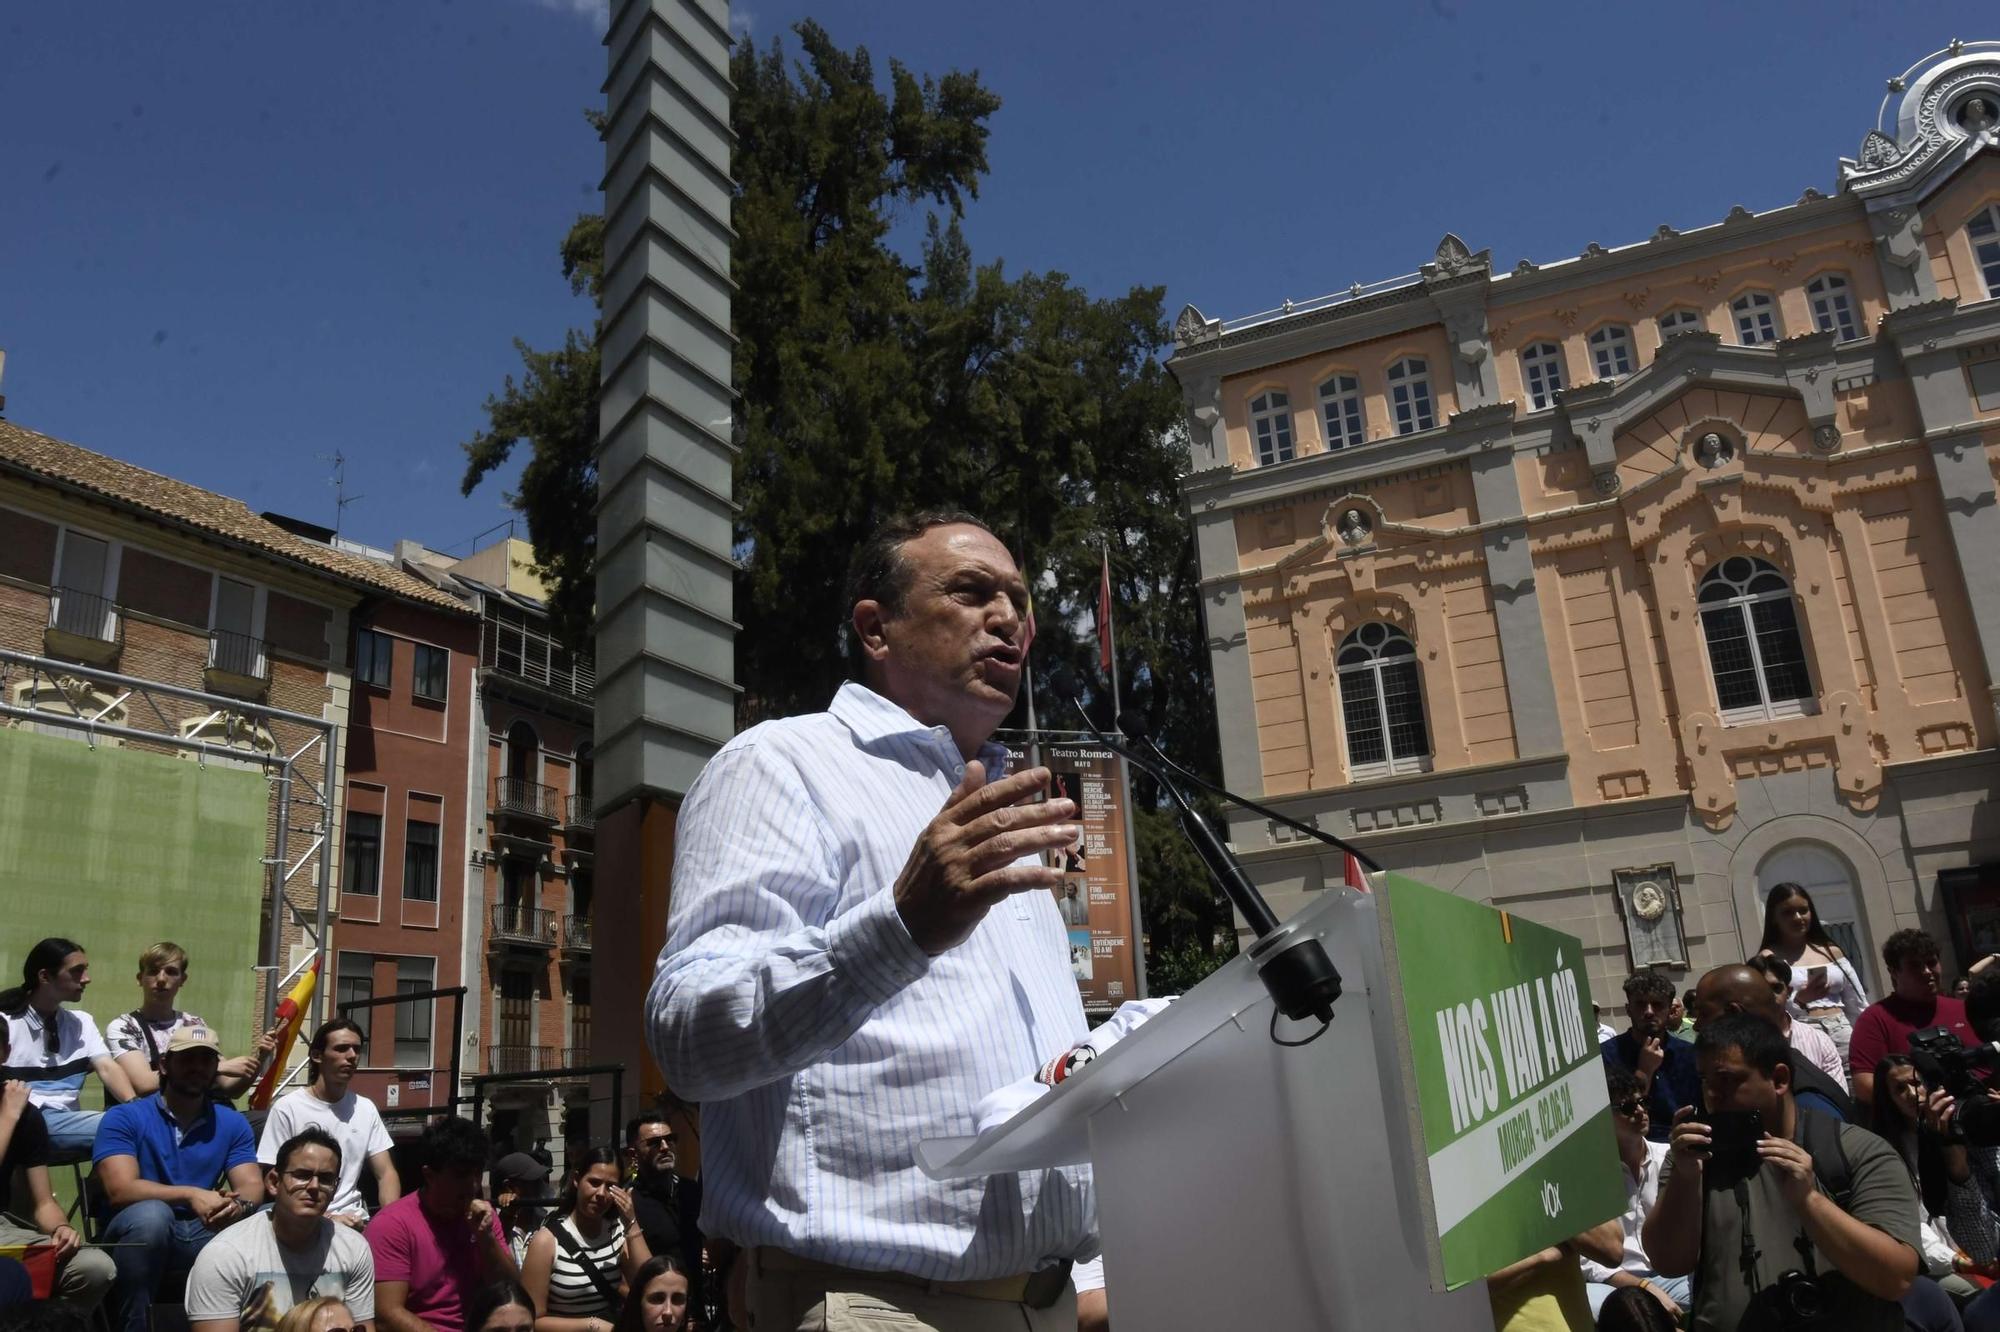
(873, 381)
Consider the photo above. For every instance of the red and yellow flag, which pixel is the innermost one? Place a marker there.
(291, 1012)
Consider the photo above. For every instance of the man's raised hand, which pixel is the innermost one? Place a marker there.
(964, 861)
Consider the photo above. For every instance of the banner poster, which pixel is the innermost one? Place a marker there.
(1511, 1110)
(1096, 897)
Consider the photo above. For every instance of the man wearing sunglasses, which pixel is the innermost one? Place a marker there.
(247, 1278)
(666, 1202)
(1641, 1160)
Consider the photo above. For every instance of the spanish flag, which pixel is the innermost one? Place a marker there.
(291, 1012)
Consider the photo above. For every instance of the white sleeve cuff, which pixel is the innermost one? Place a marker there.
(871, 946)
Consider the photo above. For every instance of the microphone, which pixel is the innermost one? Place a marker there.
(1134, 728)
(1293, 965)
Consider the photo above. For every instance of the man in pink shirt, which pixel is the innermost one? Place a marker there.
(1804, 1037)
(1884, 1027)
(433, 1248)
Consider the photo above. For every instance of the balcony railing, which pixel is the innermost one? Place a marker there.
(518, 795)
(527, 654)
(580, 814)
(524, 924)
(238, 654)
(522, 1058)
(577, 1055)
(576, 933)
(84, 615)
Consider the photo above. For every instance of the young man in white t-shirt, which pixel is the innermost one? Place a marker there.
(44, 1034)
(328, 1102)
(138, 1039)
(248, 1276)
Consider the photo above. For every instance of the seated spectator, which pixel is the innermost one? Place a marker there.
(159, 1159)
(138, 1039)
(1544, 1291)
(250, 1277)
(44, 1034)
(1802, 1036)
(1664, 1067)
(659, 1298)
(1826, 990)
(328, 1101)
(1641, 1162)
(1914, 1003)
(1914, 1120)
(324, 1314)
(82, 1275)
(501, 1307)
(1816, 1195)
(519, 1181)
(435, 1247)
(579, 1262)
(1743, 989)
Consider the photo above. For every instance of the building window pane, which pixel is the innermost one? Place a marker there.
(1756, 318)
(1271, 425)
(372, 658)
(1410, 395)
(1381, 702)
(1833, 306)
(579, 1019)
(429, 680)
(1611, 351)
(1756, 654)
(1541, 371)
(414, 1020)
(420, 861)
(1340, 406)
(362, 859)
(1984, 232)
(354, 984)
(1679, 321)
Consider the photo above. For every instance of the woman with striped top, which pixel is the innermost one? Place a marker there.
(579, 1264)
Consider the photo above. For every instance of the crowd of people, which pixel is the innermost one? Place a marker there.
(1788, 1160)
(266, 1226)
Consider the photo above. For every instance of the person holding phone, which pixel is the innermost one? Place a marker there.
(1826, 990)
(1809, 1211)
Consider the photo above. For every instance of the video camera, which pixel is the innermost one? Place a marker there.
(1964, 1071)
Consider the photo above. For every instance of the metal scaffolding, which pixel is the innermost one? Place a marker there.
(180, 719)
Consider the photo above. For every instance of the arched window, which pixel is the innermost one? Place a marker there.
(1984, 233)
(1382, 702)
(1756, 318)
(1682, 320)
(524, 753)
(1754, 649)
(1542, 373)
(1410, 395)
(1611, 351)
(1340, 405)
(1271, 427)
(1833, 306)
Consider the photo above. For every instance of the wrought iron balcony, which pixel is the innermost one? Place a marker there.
(527, 925)
(576, 933)
(238, 654)
(578, 813)
(531, 800)
(522, 1058)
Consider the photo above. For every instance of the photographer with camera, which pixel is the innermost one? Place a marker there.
(1787, 1218)
(1916, 1117)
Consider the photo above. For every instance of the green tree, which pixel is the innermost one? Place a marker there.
(871, 384)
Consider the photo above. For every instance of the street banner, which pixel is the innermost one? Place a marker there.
(1097, 900)
(1511, 1112)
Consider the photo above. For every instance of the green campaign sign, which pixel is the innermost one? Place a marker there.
(1511, 1109)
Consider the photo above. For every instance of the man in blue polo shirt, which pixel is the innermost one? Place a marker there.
(1665, 1067)
(160, 1159)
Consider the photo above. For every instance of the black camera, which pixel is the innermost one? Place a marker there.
(1795, 1300)
(1945, 1062)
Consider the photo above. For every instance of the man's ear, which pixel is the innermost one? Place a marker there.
(870, 628)
(1781, 1077)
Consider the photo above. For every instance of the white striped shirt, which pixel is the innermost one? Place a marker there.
(822, 1042)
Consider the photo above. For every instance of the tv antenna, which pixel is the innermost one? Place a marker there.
(341, 499)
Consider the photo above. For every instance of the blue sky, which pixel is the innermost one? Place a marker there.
(236, 239)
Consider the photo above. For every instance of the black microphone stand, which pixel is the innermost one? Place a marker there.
(1293, 964)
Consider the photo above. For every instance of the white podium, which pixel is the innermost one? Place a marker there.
(1241, 1183)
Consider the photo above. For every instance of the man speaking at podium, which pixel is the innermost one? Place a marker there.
(861, 945)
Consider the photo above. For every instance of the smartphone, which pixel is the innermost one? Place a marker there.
(1733, 1137)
